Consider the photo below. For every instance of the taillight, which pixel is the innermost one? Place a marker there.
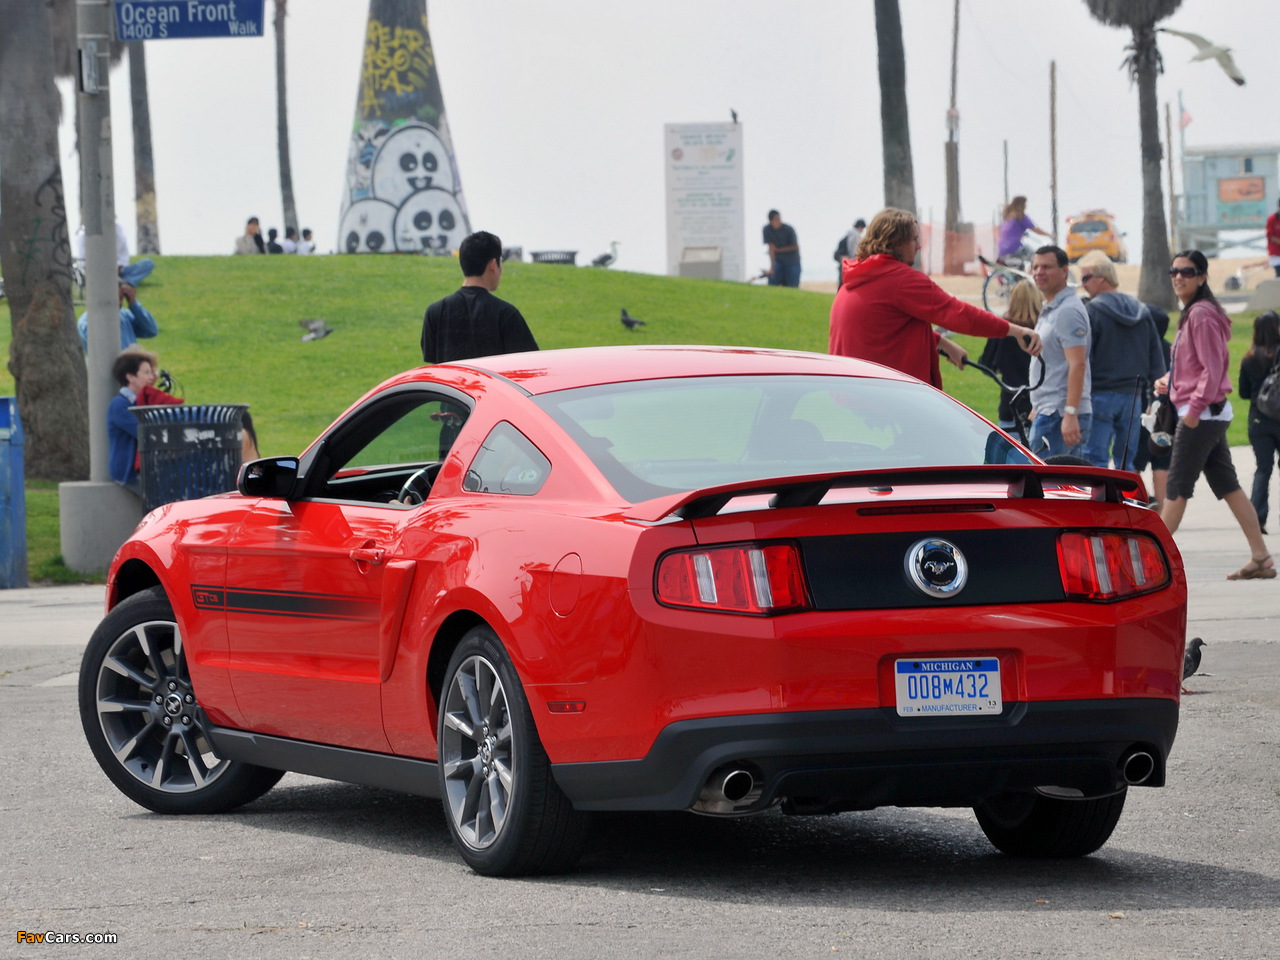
(1097, 565)
(743, 578)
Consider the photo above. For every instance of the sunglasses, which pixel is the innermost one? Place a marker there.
(1187, 272)
(1086, 278)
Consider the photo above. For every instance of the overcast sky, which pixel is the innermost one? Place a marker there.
(557, 109)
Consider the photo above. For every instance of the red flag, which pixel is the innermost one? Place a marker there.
(1185, 120)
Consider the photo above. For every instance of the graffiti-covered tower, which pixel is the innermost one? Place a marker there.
(402, 192)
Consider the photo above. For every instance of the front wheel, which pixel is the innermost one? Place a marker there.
(1029, 825)
(144, 723)
(506, 814)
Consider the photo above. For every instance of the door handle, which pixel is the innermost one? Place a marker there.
(372, 555)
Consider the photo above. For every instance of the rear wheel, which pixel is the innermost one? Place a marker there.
(995, 292)
(1029, 825)
(506, 813)
(143, 722)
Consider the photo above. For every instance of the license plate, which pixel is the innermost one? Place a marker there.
(948, 688)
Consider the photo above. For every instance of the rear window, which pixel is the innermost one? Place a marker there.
(658, 437)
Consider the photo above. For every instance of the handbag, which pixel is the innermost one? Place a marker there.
(1267, 399)
(1164, 420)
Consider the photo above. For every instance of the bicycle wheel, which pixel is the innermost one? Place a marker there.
(995, 292)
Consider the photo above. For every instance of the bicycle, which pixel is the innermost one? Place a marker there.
(1000, 278)
(1022, 424)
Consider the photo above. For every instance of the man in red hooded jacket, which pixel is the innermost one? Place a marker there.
(885, 309)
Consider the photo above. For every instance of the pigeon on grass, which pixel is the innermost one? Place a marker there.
(316, 330)
(629, 321)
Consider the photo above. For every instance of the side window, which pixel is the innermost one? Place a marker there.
(422, 433)
(507, 462)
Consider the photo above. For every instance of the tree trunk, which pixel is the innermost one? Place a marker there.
(282, 122)
(45, 357)
(899, 180)
(144, 165)
(1153, 282)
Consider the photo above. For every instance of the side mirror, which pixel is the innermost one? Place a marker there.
(272, 477)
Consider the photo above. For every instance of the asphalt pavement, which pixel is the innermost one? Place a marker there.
(319, 869)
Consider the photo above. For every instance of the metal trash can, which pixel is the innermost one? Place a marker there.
(188, 450)
(13, 498)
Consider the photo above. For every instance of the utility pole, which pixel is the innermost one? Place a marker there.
(1006, 173)
(1053, 146)
(952, 256)
(1173, 201)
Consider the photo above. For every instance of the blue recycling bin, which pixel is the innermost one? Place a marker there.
(188, 450)
(13, 498)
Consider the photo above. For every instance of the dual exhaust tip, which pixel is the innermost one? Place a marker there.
(736, 789)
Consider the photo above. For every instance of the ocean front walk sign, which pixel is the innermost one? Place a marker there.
(179, 19)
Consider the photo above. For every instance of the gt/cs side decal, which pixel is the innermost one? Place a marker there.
(284, 603)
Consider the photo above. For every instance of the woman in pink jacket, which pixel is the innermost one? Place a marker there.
(885, 309)
(1198, 385)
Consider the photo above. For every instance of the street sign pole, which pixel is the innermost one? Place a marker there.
(97, 200)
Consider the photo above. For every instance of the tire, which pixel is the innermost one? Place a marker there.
(506, 814)
(1029, 825)
(144, 723)
(995, 292)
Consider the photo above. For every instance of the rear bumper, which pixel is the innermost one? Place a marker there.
(859, 759)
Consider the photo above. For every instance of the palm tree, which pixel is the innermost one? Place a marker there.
(45, 356)
(1143, 61)
(895, 135)
(144, 164)
(282, 121)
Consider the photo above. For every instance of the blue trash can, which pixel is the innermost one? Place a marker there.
(188, 450)
(13, 498)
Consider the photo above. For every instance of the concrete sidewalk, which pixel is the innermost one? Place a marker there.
(1209, 539)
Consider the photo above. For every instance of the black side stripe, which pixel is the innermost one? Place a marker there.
(285, 603)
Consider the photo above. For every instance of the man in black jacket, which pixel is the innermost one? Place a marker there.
(473, 322)
(1125, 359)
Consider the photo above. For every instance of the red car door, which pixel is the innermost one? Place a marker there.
(304, 608)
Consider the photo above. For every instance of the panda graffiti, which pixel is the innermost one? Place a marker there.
(429, 221)
(412, 158)
(367, 227)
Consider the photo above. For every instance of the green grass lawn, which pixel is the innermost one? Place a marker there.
(229, 334)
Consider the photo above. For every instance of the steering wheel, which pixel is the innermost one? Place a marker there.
(418, 485)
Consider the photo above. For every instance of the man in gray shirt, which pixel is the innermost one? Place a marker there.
(1062, 410)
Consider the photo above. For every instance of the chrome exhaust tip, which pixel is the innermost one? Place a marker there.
(1137, 767)
(731, 789)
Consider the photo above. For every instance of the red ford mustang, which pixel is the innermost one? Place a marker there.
(655, 578)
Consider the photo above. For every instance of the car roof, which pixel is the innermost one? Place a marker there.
(546, 371)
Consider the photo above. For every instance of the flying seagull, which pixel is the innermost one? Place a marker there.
(607, 259)
(629, 321)
(1191, 659)
(1206, 50)
(316, 330)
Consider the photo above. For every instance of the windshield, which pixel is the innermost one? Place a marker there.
(657, 437)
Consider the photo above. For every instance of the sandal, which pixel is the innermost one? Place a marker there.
(1264, 569)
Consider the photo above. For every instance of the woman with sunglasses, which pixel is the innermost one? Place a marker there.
(1198, 386)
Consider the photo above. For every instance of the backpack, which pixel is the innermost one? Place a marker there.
(842, 249)
(1267, 399)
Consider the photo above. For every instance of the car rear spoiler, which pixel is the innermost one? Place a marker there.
(1024, 481)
